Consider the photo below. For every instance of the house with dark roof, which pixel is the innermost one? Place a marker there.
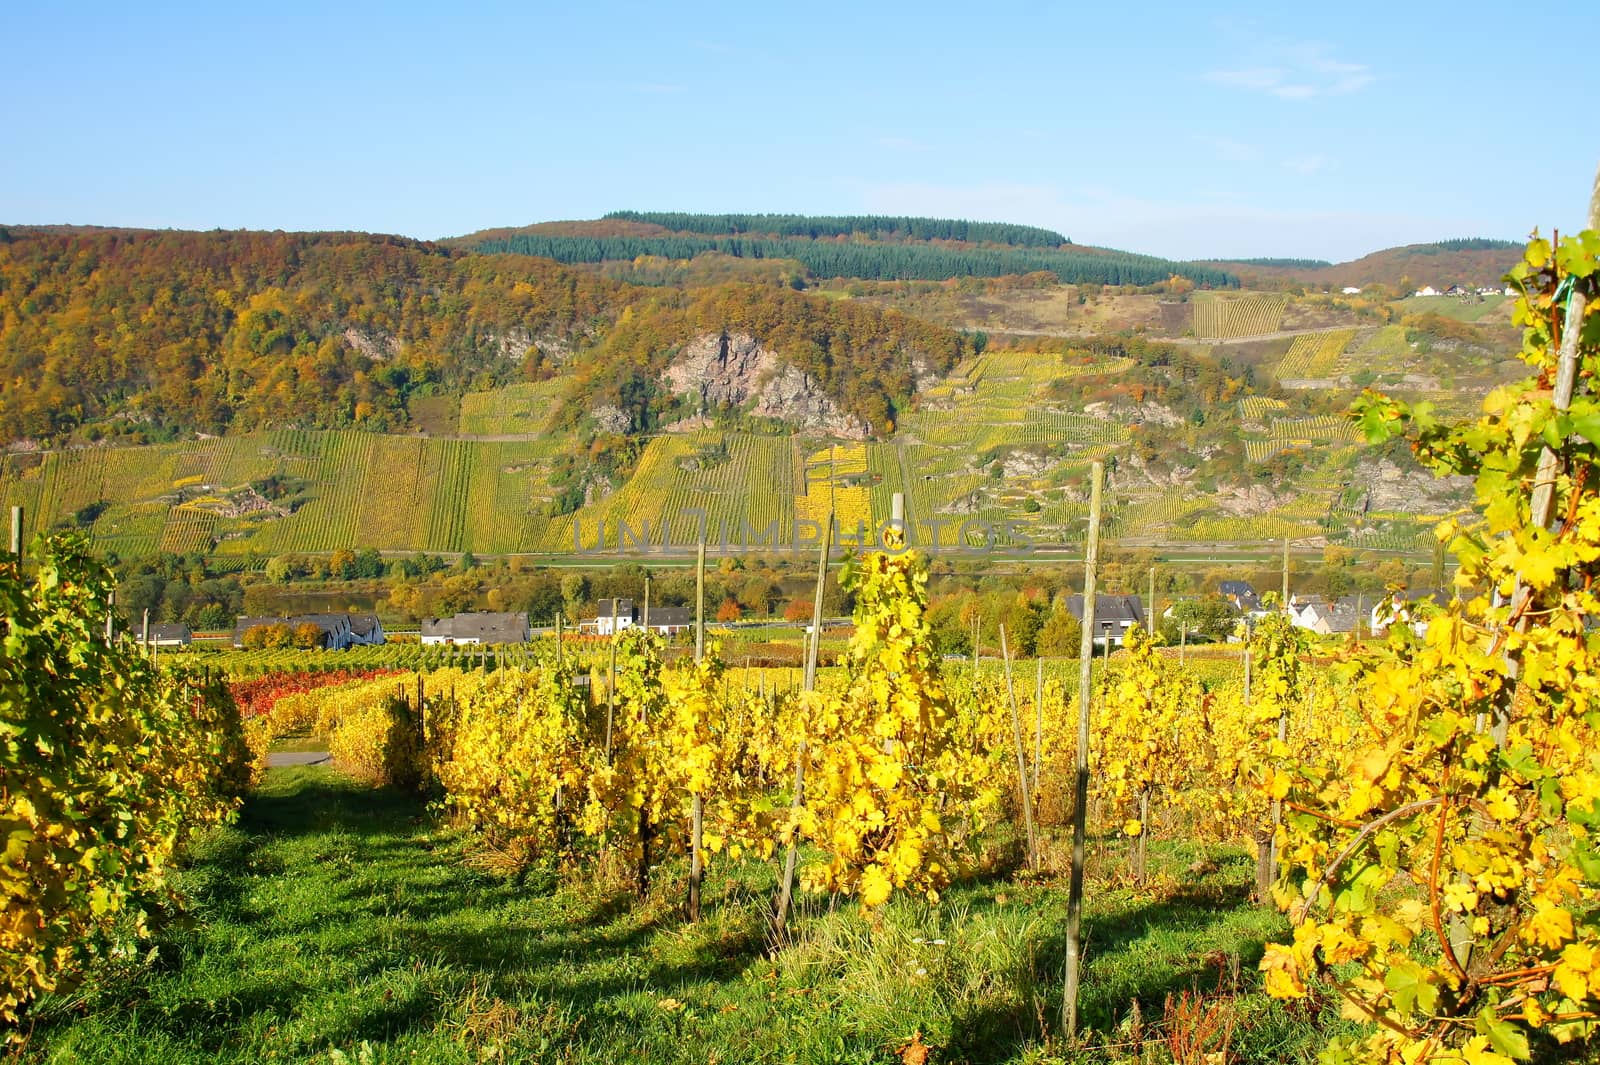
(1241, 594)
(476, 627)
(170, 634)
(1326, 619)
(245, 624)
(618, 615)
(670, 620)
(338, 632)
(612, 617)
(366, 629)
(1114, 615)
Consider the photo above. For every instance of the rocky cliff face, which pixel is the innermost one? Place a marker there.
(734, 369)
(722, 369)
(376, 346)
(1391, 487)
(1129, 413)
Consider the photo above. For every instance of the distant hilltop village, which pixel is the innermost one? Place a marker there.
(1459, 291)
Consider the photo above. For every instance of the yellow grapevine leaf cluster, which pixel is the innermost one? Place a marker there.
(885, 767)
(1442, 865)
(105, 765)
(1144, 718)
(515, 754)
(1247, 766)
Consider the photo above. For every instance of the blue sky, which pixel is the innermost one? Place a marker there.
(1203, 129)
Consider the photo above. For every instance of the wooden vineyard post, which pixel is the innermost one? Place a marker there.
(700, 601)
(791, 857)
(1139, 863)
(1247, 677)
(1150, 614)
(1277, 814)
(1022, 761)
(1080, 803)
(611, 682)
(16, 535)
(646, 617)
(558, 640)
(1038, 720)
(422, 723)
(697, 870)
(1286, 573)
(1263, 843)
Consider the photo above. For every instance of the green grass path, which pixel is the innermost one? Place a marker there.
(334, 923)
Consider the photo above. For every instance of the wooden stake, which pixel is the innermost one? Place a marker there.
(611, 682)
(1038, 720)
(16, 534)
(1080, 806)
(1139, 866)
(422, 726)
(700, 601)
(1022, 763)
(697, 870)
(1150, 616)
(791, 858)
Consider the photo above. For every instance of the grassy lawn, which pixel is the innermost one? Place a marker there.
(1490, 308)
(335, 923)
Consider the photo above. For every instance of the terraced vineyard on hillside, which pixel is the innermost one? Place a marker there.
(1314, 356)
(988, 452)
(1230, 316)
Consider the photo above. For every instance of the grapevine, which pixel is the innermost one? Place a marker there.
(1443, 869)
(106, 765)
(885, 772)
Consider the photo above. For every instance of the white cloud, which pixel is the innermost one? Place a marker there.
(1229, 150)
(1305, 165)
(1297, 72)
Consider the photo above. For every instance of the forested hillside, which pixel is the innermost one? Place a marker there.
(868, 248)
(1469, 261)
(875, 227)
(143, 335)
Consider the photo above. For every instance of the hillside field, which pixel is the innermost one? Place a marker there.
(986, 447)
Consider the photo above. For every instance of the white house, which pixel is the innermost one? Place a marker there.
(618, 615)
(1352, 290)
(1426, 290)
(613, 616)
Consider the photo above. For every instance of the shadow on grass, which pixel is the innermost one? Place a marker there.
(1185, 939)
(299, 800)
(335, 908)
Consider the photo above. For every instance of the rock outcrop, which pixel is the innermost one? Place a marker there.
(377, 346)
(609, 419)
(736, 370)
(1134, 413)
(1393, 488)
